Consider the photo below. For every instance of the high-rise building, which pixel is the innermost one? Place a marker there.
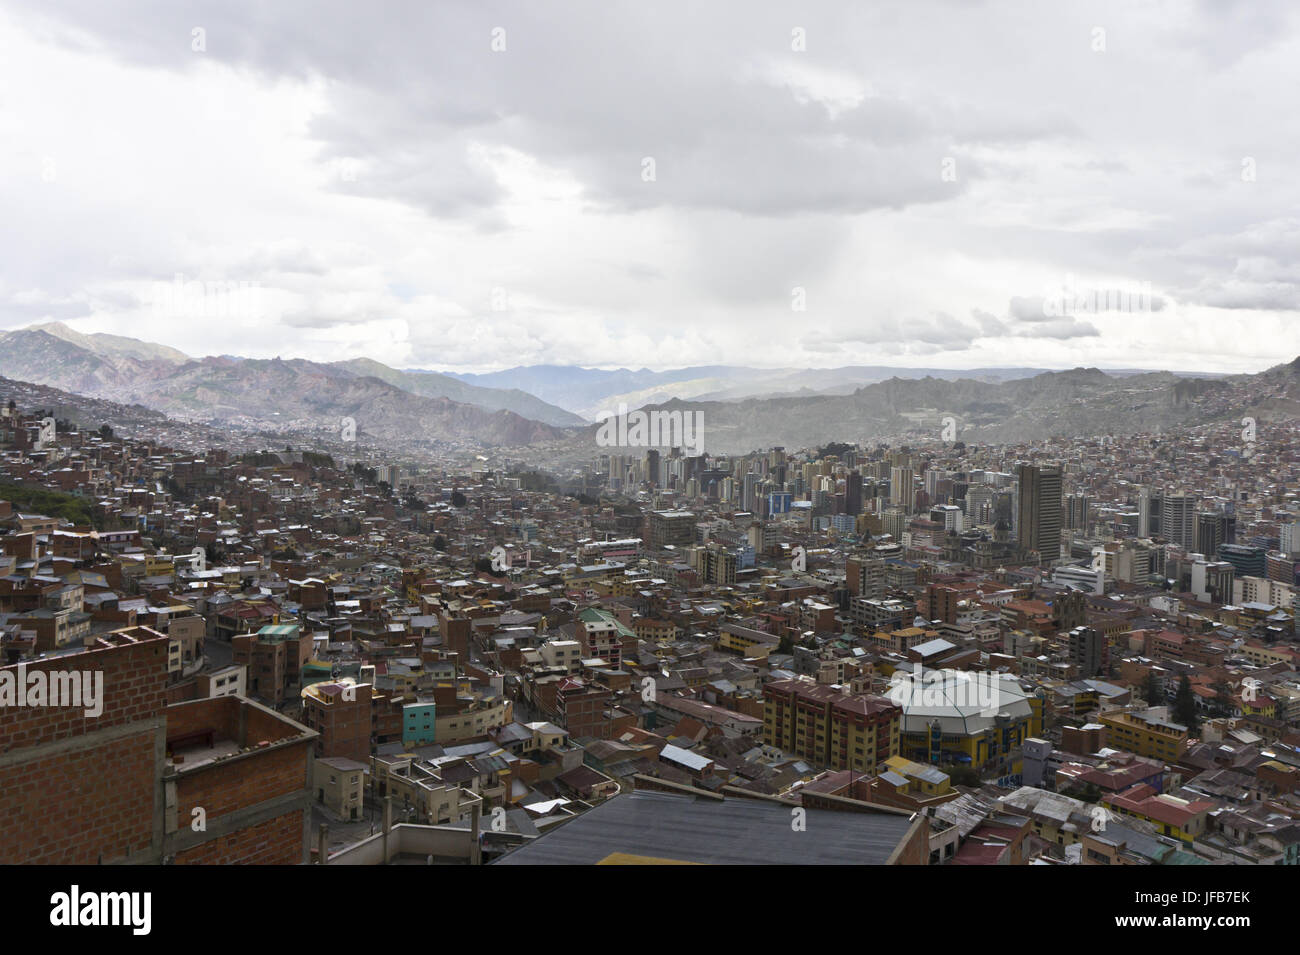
(652, 466)
(1088, 651)
(749, 495)
(670, 527)
(1076, 512)
(1178, 520)
(1039, 522)
(979, 505)
(902, 488)
(1211, 581)
(1149, 510)
(1246, 561)
(865, 576)
(853, 493)
(1211, 532)
(1289, 539)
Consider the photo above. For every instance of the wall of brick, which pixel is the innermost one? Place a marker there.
(220, 714)
(93, 800)
(81, 807)
(234, 784)
(276, 841)
(135, 688)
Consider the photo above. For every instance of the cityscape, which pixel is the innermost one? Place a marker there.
(572, 452)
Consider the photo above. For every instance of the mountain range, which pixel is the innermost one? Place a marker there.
(273, 394)
(595, 393)
(552, 406)
(1081, 401)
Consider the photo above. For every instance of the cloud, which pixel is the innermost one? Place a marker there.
(1060, 328)
(335, 156)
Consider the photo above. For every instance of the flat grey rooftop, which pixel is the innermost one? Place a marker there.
(737, 831)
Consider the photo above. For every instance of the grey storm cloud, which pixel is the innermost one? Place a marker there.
(936, 329)
(595, 94)
(920, 161)
(1060, 328)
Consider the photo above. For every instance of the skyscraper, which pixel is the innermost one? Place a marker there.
(853, 493)
(902, 488)
(1076, 512)
(1039, 524)
(1211, 532)
(1178, 520)
(1149, 508)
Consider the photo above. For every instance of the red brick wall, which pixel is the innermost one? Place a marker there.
(344, 726)
(277, 841)
(241, 783)
(220, 714)
(79, 805)
(74, 808)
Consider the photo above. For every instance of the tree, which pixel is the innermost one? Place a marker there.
(105, 432)
(1185, 706)
(1223, 703)
(484, 566)
(962, 775)
(1151, 691)
(439, 542)
(458, 499)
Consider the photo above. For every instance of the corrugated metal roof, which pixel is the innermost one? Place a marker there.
(732, 832)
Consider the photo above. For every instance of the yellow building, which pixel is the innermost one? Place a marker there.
(742, 639)
(1138, 732)
(955, 717)
(923, 780)
(826, 726)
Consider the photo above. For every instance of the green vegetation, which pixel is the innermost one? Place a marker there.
(837, 448)
(534, 481)
(1185, 706)
(1152, 692)
(962, 775)
(261, 459)
(67, 507)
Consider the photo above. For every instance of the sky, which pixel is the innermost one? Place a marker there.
(473, 186)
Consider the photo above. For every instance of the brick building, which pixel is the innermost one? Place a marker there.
(120, 785)
(341, 714)
(840, 730)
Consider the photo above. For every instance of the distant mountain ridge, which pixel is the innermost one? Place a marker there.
(590, 391)
(268, 393)
(1081, 401)
(743, 408)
